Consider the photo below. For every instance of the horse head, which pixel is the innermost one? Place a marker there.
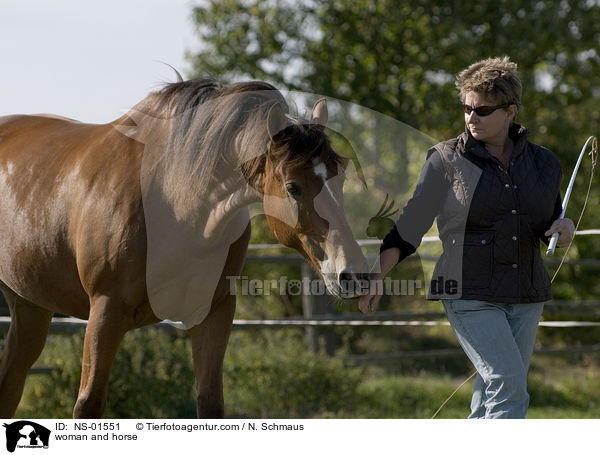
(302, 188)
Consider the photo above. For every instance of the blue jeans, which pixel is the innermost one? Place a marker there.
(498, 338)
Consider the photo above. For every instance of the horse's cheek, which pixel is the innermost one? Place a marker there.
(282, 210)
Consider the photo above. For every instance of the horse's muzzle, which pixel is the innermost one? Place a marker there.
(353, 285)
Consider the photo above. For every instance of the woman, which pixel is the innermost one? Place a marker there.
(495, 196)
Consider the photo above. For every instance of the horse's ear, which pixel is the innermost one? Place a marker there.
(275, 120)
(254, 172)
(320, 116)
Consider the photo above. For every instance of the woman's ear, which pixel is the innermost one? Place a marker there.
(513, 109)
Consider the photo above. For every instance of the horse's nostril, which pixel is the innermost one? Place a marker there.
(346, 277)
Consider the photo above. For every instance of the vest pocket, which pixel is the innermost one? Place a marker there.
(478, 259)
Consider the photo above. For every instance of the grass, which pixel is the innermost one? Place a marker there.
(559, 388)
(277, 378)
(418, 397)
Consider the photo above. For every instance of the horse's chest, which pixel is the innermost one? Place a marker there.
(184, 267)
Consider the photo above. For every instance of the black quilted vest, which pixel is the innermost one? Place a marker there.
(492, 221)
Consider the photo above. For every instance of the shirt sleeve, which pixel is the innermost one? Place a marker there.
(420, 211)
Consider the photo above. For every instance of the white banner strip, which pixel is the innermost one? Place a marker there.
(296, 436)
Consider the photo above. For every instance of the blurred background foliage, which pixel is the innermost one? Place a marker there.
(399, 59)
(388, 68)
(396, 61)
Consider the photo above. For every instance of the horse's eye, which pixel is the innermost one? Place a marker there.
(293, 189)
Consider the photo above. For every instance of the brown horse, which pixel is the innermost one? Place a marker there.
(145, 218)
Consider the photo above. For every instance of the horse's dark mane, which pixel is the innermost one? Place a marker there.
(187, 94)
(213, 122)
(307, 137)
(284, 150)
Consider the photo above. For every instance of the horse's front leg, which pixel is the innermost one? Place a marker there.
(104, 332)
(210, 337)
(209, 342)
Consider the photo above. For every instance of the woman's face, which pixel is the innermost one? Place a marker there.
(490, 129)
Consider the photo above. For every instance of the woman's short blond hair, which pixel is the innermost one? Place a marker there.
(495, 78)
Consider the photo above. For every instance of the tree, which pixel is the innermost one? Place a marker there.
(399, 58)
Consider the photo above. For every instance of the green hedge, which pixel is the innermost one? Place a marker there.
(153, 377)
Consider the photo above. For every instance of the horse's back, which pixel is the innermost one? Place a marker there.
(22, 135)
(40, 125)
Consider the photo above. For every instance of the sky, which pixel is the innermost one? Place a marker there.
(90, 61)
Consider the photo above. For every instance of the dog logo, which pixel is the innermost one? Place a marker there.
(26, 434)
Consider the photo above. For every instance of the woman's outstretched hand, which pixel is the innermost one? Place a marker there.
(368, 303)
(384, 263)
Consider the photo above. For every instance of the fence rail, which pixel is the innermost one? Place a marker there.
(376, 242)
(61, 326)
(318, 312)
(68, 325)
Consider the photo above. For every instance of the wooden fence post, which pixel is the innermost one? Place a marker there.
(314, 305)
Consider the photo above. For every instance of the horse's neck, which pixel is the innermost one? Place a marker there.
(227, 195)
(226, 202)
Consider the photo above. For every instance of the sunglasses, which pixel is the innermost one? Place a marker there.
(483, 111)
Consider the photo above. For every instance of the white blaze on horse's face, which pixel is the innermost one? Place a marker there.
(306, 212)
(321, 170)
(343, 263)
